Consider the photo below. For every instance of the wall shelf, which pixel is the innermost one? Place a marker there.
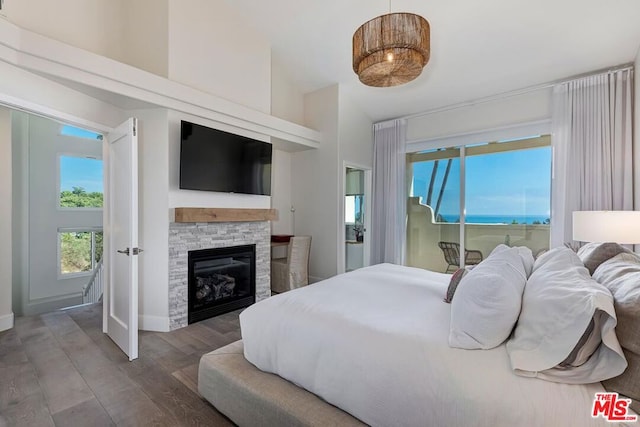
(224, 215)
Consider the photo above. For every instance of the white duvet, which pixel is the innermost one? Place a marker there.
(374, 342)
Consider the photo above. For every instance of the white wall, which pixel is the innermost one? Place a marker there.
(281, 196)
(287, 100)
(131, 31)
(529, 107)
(153, 205)
(20, 209)
(206, 199)
(45, 218)
(318, 176)
(211, 49)
(55, 99)
(315, 183)
(355, 134)
(145, 35)
(6, 260)
(90, 25)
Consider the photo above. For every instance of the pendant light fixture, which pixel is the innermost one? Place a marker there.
(391, 49)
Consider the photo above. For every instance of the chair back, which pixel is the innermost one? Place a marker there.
(298, 260)
(451, 252)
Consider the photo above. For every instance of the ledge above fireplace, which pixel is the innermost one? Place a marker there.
(202, 215)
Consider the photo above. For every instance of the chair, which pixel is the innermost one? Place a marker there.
(451, 253)
(293, 271)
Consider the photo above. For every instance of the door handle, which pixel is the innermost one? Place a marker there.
(127, 252)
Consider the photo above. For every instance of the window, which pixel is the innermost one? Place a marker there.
(81, 182)
(69, 130)
(80, 251)
(505, 198)
(353, 209)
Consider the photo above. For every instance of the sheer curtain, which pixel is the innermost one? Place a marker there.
(592, 145)
(389, 200)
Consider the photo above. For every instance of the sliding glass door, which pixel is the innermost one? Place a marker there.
(471, 199)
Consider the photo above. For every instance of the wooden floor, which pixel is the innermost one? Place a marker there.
(59, 369)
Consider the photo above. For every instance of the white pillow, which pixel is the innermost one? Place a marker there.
(487, 301)
(559, 302)
(524, 252)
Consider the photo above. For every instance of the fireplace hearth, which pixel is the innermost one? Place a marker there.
(220, 280)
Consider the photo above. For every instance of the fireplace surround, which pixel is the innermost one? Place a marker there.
(192, 236)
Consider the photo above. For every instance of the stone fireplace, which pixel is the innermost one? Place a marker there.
(185, 237)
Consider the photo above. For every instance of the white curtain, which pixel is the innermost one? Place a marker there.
(592, 148)
(389, 201)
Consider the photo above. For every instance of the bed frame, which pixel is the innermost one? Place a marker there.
(251, 397)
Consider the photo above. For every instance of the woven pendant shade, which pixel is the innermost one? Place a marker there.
(391, 49)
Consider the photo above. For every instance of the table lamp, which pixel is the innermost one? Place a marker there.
(621, 227)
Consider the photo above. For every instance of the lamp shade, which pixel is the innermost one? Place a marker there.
(607, 226)
(391, 49)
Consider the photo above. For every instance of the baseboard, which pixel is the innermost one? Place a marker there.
(313, 279)
(6, 322)
(46, 305)
(153, 323)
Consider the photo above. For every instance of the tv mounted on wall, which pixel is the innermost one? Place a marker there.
(214, 160)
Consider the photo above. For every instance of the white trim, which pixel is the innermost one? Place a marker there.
(519, 130)
(48, 304)
(153, 323)
(517, 92)
(6, 322)
(40, 54)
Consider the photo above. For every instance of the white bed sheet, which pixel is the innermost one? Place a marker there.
(374, 342)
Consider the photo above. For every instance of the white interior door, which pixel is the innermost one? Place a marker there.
(121, 223)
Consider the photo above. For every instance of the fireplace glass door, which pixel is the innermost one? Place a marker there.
(220, 280)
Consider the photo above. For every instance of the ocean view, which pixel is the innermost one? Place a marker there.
(497, 219)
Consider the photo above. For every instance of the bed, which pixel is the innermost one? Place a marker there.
(371, 346)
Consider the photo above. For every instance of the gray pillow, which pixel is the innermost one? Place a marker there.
(621, 275)
(600, 254)
(560, 301)
(456, 277)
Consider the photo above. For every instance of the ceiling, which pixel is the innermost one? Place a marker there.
(478, 48)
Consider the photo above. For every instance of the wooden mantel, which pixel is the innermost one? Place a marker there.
(224, 215)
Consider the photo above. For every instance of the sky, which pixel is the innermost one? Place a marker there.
(80, 171)
(509, 183)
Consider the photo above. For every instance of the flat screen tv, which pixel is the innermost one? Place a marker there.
(213, 160)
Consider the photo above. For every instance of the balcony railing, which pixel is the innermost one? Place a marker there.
(424, 233)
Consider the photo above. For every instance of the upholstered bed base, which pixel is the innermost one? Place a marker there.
(251, 397)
